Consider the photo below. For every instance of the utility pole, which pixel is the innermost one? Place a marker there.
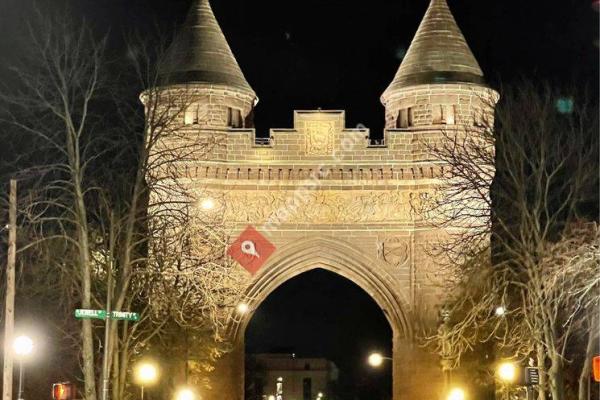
(9, 312)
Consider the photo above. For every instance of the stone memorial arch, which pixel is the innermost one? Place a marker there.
(326, 195)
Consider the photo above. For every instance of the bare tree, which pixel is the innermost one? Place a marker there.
(90, 214)
(53, 103)
(544, 160)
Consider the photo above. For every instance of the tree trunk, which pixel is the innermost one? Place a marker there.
(584, 376)
(115, 369)
(87, 333)
(87, 351)
(124, 357)
(556, 377)
(541, 363)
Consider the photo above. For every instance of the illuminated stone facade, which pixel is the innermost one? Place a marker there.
(327, 195)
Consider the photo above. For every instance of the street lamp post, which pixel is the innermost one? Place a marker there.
(21, 378)
(376, 359)
(507, 373)
(23, 346)
(279, 388)
(446, 352)
(146, 374)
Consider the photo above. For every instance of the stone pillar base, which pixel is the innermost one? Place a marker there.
(416, 373)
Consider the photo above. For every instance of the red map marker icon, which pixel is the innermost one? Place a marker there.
(251, 250)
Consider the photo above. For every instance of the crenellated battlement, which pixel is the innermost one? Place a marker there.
(321, 137)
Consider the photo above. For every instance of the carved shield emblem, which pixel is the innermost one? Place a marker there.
(319, 140)
(394, 251)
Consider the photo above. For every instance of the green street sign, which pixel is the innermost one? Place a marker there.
(90, 314)
(101, 314)
(123, 315)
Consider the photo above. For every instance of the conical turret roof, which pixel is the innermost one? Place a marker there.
(200, 53)
(438, 53)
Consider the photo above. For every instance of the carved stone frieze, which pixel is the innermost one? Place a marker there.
(317, 207)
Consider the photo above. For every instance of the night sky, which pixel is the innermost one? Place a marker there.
(341, 54)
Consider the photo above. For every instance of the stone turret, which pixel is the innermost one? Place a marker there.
(439, 81)
(200, 61)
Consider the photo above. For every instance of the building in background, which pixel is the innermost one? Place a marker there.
(301, 378)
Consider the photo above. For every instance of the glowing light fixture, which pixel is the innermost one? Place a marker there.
(146, 373)
(185, 394)
(375, 360)
(207, 204)
(507, 372)
(243, 308)
(457, 394)
(23, 346)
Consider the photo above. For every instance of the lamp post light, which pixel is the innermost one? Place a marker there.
(507, 373)
(185, 394)
(242, 308)
(207, 204)
(23, 347)
(457, 394)
(146, 375)
(376, 359)
(500, 311)
(241, 312)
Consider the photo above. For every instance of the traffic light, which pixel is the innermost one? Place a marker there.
(63, 391)
(596, 368)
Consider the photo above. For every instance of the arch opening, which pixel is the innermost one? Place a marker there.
(334, 256)
(315, 331)
(344, 261)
